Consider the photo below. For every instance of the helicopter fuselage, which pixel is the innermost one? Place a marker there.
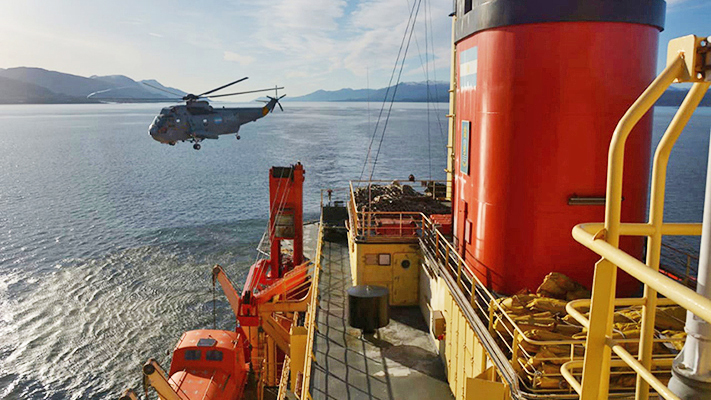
(198, 120)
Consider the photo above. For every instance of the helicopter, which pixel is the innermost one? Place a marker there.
(198, 120)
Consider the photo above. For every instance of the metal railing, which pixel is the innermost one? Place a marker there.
(470, 294)
(384, 225)
(604, 240)
(510, 341)
(310, 321)
(284, 380)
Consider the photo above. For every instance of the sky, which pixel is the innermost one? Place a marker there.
(304, 45)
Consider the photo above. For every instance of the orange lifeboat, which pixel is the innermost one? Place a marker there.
(209, 364)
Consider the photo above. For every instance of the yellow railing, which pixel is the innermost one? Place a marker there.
(301, 391)
(284, 380)
(384, 225)
(473, 299)
(310, 324)
(604, 240)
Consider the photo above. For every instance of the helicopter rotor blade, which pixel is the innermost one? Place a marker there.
(276, 101)
(222, 87)
(137, 99)
(236, 93)
(162, 90)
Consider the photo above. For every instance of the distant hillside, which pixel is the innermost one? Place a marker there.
(407, 92)
(57, 82)
(16, 92)
(155, 83)
(25, 85)
(417, 92)
(67, 88)
(674, 96)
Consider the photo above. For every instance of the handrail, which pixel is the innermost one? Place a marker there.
(466, 288)
(604, 240)
(284, 380)
(310, 322)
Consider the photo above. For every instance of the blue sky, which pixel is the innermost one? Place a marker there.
(304, 45)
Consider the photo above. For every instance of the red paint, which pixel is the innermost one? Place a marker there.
(193, 374)
(443, 222)
(197, 377)
(547, 99)
(286, 199)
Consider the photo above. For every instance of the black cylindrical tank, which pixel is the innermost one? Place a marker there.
(368, 307)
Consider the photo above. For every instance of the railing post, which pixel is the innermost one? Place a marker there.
(459, 272)
(437, 247)
(596, 365)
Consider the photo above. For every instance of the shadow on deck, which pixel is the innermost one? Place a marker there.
(398, 362)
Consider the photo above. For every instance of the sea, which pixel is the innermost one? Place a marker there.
(107, 238)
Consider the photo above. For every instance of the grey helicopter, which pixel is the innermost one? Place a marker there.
(197, 120)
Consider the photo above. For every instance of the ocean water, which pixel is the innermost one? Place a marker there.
(107, 237)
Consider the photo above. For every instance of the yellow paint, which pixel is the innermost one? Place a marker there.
(452, 110)
(402, 282)
(485, 386)
(464, 356)
(683, 65)
(157, 378)
(299, 335)
(688, 46)
(310, 322)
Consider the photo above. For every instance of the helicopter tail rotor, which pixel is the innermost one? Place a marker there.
(273, 102)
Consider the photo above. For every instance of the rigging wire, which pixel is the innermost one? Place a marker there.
(434, 72)
(434, 102)
(387, 91)
(392, 101)
(427, 79)
(429, 44)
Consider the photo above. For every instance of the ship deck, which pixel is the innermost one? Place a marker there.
(398, 362)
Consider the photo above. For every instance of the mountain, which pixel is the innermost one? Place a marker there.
(674, 96)
(17, 92)
(157, 84)
(68, 88)
(408, 91)
(126, 88)
(57, 82)
(417, 92)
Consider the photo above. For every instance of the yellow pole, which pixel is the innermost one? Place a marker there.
(656, 219)
(452, 113)
(596, 365)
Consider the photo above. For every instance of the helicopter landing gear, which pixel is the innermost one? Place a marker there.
(196, 146)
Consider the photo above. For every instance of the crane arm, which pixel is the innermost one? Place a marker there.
(157, 379)
(232, 296)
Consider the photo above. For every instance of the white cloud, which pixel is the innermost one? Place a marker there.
(241, 60)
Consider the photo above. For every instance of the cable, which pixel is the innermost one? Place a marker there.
(387, 91)
(402, 65)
